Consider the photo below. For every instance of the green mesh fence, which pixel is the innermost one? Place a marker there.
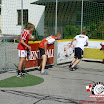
(94, 19)
(69, 17)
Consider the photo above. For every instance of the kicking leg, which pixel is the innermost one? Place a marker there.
(74, 60)
(75, 63)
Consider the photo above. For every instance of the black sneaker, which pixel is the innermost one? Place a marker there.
(39, 68)
(70, 65)
(20, 76)
(24, 72)
(72, 69)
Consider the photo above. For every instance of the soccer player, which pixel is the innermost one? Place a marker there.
(81, 41)
(43, 50)
(23, 47)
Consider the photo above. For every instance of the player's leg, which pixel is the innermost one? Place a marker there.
(76, 62)
(22, 56)
(40, 66)
(79, 55)
(42, 52)
(23, 67)
(74, 59)
(44, 60)
(20, 65)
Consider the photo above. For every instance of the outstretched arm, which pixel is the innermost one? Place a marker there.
(86, 45)
(72, 42)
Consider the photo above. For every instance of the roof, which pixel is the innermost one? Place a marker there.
(45, 2)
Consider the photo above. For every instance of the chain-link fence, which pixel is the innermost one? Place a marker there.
(8, 53)
(50, 16)
(72, 16)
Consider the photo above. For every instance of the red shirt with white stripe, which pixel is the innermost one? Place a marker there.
(50, 39)
(25, 36)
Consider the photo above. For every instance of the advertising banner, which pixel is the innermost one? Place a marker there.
(64, 53)
(33, 59)
(94, 50)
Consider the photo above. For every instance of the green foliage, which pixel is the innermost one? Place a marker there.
(95, 30)
(71, 31)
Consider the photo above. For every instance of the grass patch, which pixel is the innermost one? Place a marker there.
(28, 80)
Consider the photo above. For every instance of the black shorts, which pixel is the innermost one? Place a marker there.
(78, 53)
(42, 51)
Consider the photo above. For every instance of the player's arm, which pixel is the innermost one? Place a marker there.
(72, 42)
(22, 42)
(86, 44)
(45, 47)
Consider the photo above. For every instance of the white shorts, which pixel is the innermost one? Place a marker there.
(22, 53)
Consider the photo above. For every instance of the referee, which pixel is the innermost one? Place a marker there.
(81, 41)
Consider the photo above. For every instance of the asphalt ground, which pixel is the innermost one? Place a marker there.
(61, 86)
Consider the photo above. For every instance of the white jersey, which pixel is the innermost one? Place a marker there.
(81, 40)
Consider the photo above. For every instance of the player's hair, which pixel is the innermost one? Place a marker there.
(58, 34)
(29, 25)
(84, 32)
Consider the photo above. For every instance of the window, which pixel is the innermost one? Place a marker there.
(25, 16)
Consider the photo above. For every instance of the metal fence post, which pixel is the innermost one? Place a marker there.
(56, 17)
(82, 17)
(21, 16)
(5, 56)
(55, 53)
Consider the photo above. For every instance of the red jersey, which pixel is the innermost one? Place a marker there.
(50, 39)
(25, 36)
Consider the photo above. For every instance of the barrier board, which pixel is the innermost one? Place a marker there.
(33, 59)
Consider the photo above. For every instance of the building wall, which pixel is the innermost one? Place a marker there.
(10, 17)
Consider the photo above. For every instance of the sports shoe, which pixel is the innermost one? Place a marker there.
(44, 73)
(72, 69)
(70, 65)
(20, 76)
(24, 72)
(39, 68)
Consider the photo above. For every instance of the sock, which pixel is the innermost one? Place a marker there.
(72, 66)
(19, 72)
(23, 71)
